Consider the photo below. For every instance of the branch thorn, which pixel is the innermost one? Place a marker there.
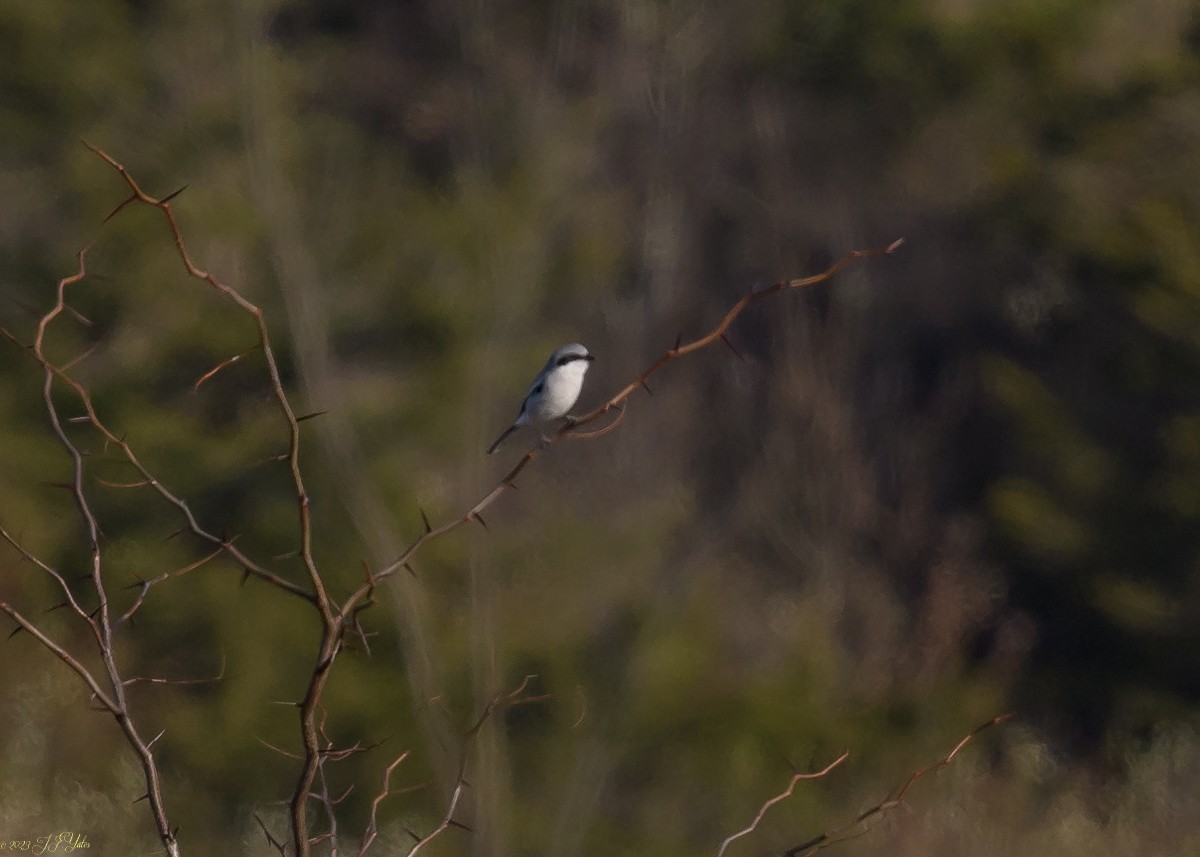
(736, 353)
(172, 195)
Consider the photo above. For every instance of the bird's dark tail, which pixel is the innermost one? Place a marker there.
(503, 435)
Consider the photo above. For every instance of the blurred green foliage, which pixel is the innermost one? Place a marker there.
(952, 482)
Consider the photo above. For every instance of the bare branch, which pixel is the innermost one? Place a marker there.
(783, 795)
(108, 702)
(222, 365)
(619, 400)
(179, 681)
(516, 696)
(54, 573)
(832, 837)
(144, 586)
(281, 398)
(340, 622)
(274, 843)
(386, 791)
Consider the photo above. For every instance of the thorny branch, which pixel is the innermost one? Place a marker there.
(338, 620)
(832, 837)
(386, 791)
(619, 403)
(515, 697)
(99, 621)
(783, 795)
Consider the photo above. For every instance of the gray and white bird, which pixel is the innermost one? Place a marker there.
(554, 390)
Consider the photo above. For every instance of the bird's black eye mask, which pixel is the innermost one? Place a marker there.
(567, 358)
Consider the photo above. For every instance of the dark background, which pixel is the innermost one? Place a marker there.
(953, 482)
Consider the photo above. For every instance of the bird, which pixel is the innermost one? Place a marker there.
(554, 390)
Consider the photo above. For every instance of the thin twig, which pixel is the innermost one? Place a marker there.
(783, 795)
(619, 400)
(832, 837)
(386, 791)
(514, 697)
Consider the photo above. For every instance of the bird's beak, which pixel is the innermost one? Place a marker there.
(589, 357)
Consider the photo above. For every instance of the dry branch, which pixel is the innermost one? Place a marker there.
(832, 837)
(99, 622)
(619, 401)
(783, 795)
(339, 621)
(515, 697)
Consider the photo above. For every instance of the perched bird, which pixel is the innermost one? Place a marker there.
(554, 390)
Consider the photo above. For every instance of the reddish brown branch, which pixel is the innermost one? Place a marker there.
(144, 586)
(386, 791)
(148, 479)
(514, 697)
(271, 840)
(98, 620)
(211, 373)
(337, 620)
(63, 655)
(832, 837)
(331, 617)
(783, 795)
(319, 595)
(58, 578)
(718, 333)
(618, 401)
(179, 681)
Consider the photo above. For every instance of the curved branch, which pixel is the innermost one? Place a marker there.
(320, 597)
(783, 795)
(618, 401)
(832, 837)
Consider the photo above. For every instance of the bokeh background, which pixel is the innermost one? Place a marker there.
(954, 482)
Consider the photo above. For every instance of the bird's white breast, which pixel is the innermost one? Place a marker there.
(561, 390)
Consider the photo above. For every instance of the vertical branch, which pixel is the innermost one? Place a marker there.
(331, 615)
(99, 620)
(336, 618)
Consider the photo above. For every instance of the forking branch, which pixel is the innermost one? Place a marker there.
(619, 400)
(338, 620)
(832, 837)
